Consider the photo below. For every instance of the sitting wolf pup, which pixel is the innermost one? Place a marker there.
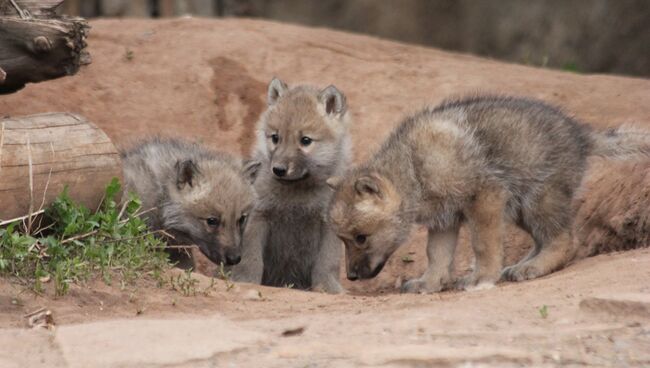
(302, 141)
(480, 161)
(198, 196)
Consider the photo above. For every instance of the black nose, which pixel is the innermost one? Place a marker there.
(279, 171)
(352, 276)
(232, 259)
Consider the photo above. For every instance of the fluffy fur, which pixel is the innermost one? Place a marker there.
(198, 196)
(480, 161)
(302, 141)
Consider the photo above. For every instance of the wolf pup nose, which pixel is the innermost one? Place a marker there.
(302, 141)
(279, 171)
(198, 196)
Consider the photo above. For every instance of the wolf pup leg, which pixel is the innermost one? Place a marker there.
(440, 253)
(251, 267)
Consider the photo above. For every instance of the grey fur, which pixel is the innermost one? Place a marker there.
(288, 241)
(478, 160)
(186, 184)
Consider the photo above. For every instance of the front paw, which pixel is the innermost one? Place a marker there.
(329, 288)
(474, 282)
(419, 286)
(521, 272)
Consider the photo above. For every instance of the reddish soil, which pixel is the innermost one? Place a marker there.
(206, 80)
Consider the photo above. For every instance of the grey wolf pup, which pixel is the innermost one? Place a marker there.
(198, 196)
(480, 161)
(302, 140)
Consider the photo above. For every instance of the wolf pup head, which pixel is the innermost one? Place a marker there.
(209, 206)
(303, 132)
(366, 215)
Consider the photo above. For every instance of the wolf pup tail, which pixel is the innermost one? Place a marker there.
(622, 142)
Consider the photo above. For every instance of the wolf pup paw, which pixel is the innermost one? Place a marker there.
(474, 282)
(520, 272)
(419, 286)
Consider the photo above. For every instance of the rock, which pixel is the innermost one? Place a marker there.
(29, 348)
(137, 343)
(252, 294)
(626, 306)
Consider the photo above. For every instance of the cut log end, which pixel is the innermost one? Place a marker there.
(49, 152)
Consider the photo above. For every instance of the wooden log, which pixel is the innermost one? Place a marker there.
(34, 49)
(64, 150)
(37, 8)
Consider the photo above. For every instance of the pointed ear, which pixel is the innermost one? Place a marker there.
(186, 172)
(333, 101)
(367, 185)
(334, 182)
(250, 169)
(276, 89)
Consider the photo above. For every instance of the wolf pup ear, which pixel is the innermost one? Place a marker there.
(186, 172)
(333, 100)
(250, 170)
(334, 182)
(276, 89)
(367, 185)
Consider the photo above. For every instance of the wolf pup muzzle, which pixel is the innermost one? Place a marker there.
(362, 270)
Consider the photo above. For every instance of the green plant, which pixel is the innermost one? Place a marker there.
(407, 259)
(225, 276)
(543, 311)
(78, 244)
(184, 283)
(129, 55)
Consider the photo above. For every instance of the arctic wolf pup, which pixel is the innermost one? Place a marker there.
(198, 196)
(480, 161)
(302, 141)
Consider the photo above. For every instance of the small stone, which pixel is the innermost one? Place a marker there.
(253, 294)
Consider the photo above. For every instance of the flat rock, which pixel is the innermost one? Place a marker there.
(628, 305)
(138, 343)
(21, 348)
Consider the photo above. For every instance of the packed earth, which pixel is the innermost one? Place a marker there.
(206, 80)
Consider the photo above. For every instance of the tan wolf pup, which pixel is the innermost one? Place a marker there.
(481, 161)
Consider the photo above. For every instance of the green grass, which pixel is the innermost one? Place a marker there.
(78, 245)
(543, 311)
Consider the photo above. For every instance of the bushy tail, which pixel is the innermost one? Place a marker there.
(621, 142)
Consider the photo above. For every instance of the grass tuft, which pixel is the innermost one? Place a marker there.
(78, 245)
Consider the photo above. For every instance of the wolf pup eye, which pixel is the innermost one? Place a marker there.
(360, 239)
(306, 141)
(275, 138)
(212, 221)
(242, 221)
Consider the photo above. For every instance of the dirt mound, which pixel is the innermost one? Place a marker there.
(206, 79)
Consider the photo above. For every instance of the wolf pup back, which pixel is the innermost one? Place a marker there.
(302, 140)
(198, 196)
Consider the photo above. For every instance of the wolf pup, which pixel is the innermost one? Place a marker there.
(198, 196)
(480, 161)
(302, 141)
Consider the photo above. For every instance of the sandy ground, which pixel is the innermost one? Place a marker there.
(206, 80)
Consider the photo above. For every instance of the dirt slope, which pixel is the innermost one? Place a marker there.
(206, 80)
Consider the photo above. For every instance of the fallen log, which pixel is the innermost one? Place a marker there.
(35, 47)
(41, 154)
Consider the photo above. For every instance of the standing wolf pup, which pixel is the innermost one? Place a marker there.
(198, 196)
(480, 161)
(302, 141)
